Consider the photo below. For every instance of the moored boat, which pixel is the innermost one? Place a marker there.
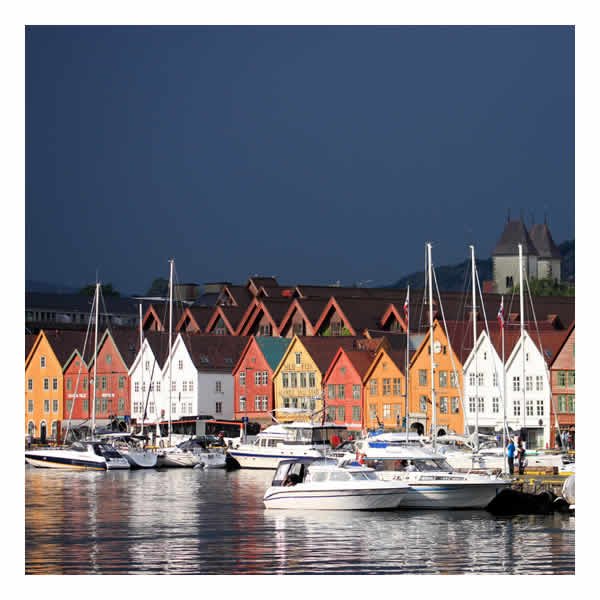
(82, 455)
(127, 445)
(325, 485)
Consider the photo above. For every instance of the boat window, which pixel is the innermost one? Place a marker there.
(272, 443)
(443, 464)
(426, 465)
(339, 476)
(281, 474)
(317, 476)
(363, 475)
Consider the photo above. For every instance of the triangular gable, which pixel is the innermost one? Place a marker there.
(259, 311)
(293, 344)
(384, 352)
(152, 321)
(332, 307)
(238, 364)
(568, 334)
(219, 314)
(41, 336)
(357, 365)
(390, 313)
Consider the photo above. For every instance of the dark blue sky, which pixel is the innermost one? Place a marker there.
(315, 154)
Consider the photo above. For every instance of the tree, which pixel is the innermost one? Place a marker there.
(548, 287)
(107, 290)
(159, 287)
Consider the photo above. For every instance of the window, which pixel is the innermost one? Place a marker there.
(386, 386)
(472, 379)
(516, 408)
(495, 405)
(387, 411)
(422, 377)
(396, 386)
(46, 383)
(539, 405)
(528, 383)
(331, 413)
(46, 406)
(147, 365)
(341, 390)
(355, 391)
(257, 378)
(454, 405)
(265, 378)
(311, 380)
(219, 388)
(173, 407)
(444, 404)
(516, 383)
(443, 378)
(341, 413)
(54, 406)
(453, 380)
(373, 412)
(257, 402)
(242, 377)
(243, 403)
(562, 404)
(471, 404)
(121, 404)
(561, 378)
(104, 386)
(495, 379)
(539, 383)
(480, 379)
(121, 382)
(373, 387)
(481, 404)
(356, 414)
(423, 404)
(69, 406)
(298, 357)
(69, 384)
(158, 386)
(30, 406)
(571, 378)
(43, 362)
(293, 379)
(264, 403)
(184, 386)
(285, 380)
(509, 282)
(571, 404)
(286, 403)
(30, 385)
(86, 405)
(180, 365)
(529, 407)
(264, 330)
(173, 386)
(109, 358)
(85, 382)
(331, 390)
(302, 380)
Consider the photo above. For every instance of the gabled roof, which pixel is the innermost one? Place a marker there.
(273, 349)
(514, 234)
(231, 315)
(323, 349)
(158, 312)
(543, 242)
(65, 342)
(238, 295)
(214, 352)
(198, 316)
(29, 342)
(127, 342)
(358, 314)
(310, 310)
(568, 334)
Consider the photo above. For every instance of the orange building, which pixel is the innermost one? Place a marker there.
(44, 383)
(448, 383)
(384, 390)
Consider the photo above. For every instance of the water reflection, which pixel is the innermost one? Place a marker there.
(190, 521)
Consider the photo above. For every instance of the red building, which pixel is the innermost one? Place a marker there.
(343, 386)
(253, 378)
(76, 390)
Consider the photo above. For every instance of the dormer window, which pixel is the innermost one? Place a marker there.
(298, 358)
(43, 362)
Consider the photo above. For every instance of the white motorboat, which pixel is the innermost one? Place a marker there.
(211, 458)
(325, 485)
(285, 440)
(81, 455)
(175, 456)
(433, 482)
(127, 445)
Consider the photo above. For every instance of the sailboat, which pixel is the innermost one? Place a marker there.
(433, 483)
(174, 456)
(89, 454)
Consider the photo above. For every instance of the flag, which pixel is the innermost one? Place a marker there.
(501, 314)
(406, 306)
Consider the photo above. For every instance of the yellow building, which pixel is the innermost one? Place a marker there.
(297, 380)
(447, 386)
(384, 391)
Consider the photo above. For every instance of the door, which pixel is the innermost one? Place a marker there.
(43, 432)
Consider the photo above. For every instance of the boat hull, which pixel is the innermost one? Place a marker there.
(300, 497)
(178, 460)
(256, 460)
(49, 462)
(141, 459)
(213, 460)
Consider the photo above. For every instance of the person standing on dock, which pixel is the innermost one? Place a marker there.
(510, 453)
(521, 457)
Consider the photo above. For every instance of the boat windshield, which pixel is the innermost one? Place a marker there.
(309, 435)
(422, 464)
(363, 475)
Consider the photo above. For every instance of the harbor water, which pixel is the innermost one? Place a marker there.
(192, 521)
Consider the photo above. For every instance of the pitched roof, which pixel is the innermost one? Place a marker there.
(323, 349)
(29, 342)
(361, 360)
(273, 349)
(201, 315)
(65, 342)
(127, 342)
(214, 352)
(543, 242)
(514, 234)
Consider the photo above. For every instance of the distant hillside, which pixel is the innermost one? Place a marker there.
(454, 278)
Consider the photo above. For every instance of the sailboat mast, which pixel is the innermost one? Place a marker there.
(142, 365)
(407, 357)
(475, 349)
(95, 358)
(433, 403)
(170, 340)
(504, 425)
(521, 308)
